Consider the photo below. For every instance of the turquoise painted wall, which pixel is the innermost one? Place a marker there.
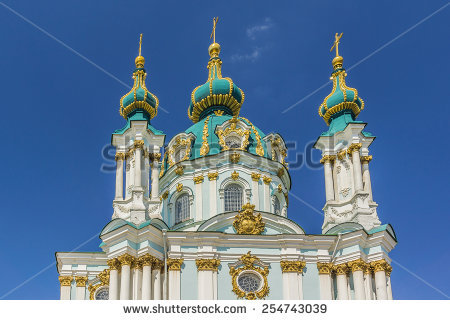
(189, 281)
(311, 285)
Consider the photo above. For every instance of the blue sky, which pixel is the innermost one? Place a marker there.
(58, 112)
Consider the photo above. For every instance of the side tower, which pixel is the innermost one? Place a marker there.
(345, 155)
(138, 147)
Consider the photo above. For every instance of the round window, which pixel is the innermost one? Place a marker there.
(249, 282)
(102, 294)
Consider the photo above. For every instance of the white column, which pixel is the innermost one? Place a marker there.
(119, 175)
(207, 278)
(212, 176)
(156, 277)
(328, 173)
(137, 282)
(198, 198)
(292, 279)
(356, 161)
(379, 268)
(325, 280)
(366, 175)
(147, 262)
(125, 277)
(267, 181)
(342, 281)
(80, 292)
(255, 189)
(138, 162)
(65, 282)
(114, 266)
(155, 176)
(215, 293)
(358, 278)
(146, 174)
(174, 266)
(389, 288)
(368, 283)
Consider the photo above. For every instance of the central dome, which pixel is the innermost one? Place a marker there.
(217, 94)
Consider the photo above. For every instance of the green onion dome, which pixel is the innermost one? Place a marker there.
(139, 98)
(217, 93)
(342, 99)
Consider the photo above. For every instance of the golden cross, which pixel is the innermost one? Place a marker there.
(213, 33)
(140, 44)
(336, 43)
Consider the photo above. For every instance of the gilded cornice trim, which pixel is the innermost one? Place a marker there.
(256, 176)
(65, 281)
(174, 264)
(126, 259)
(267, 180)
(213, 176)
(379, 265)
(198, 179)
(114, 264)
(81, 281)
(207, 264)
(327, 158)
(292, 266)
(324, 268)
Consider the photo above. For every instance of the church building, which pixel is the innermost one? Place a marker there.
(205, 215)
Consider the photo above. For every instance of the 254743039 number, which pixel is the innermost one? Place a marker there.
(294, 308)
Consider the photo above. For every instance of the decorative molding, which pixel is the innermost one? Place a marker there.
(65, 281)
(103, 277)
(246, 222)
(256, 176)
(198, 179)
(179, 187)
(234, 157)
(292, 266)
(174, 264)
(207, 264)
(267, 179)
(126, 259)
(324, 268)
(81, 281)
(235, 175)
(213, 176)
(250, 263)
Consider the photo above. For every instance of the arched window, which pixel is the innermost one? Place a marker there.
(182, 208)
(233, 197)
(276, 206)
(233, 142)
(102, 294)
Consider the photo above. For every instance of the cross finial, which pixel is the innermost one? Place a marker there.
(140, 44)
(337, 37)
(213, 33)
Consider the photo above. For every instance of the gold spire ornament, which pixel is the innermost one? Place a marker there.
(338, 60)
(214, 48)
(140, 61)
(213, 33)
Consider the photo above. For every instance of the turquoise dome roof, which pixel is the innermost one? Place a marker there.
(139, 97)
(205, 134)
(342, 99)
(217, 93)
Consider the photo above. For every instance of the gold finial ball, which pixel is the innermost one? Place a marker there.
(338, 62)
(139, 61)
(214, 49)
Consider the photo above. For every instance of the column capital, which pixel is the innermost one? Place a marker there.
(324, 268)
(354, 147)
(267, 180)
(114, 264)
(388, 270)
(120, 156)
(256, 176)
(139, 144)
(81, 281)
(198, 179)
(342, 154)
(126, 259)
(292, 266)
(137, 264)
(174, 264)
(327, 158)
(146, 260)
(357, 265)
(207, 264)
(341, 269)
(65, 281)
(366, 159)
(379, 265)
(154, 156)
(157, 264)
(213, 176)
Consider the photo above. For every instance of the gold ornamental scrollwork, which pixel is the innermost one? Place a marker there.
(179, 170)
(126, 259)
(256, 176)
(259, 147)
(232, 129)
(120, 156)
(246, 222)
(250, 263)
(366, 159)
(114, 264)
(81, 281)
(357, 265)
(354, 147)
(174, 264)
(324, 268)
(164, 195)
(341, 269)
(204, 149)
(102, 279)
(179, 187)
(379, 265)
(207, 264)
(213, 176)
(198, 179)
(179, 143)
(267, 179)
(235, 175)
(327, 158)
(234, 157)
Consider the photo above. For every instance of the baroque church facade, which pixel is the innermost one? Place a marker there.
(205, 215)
